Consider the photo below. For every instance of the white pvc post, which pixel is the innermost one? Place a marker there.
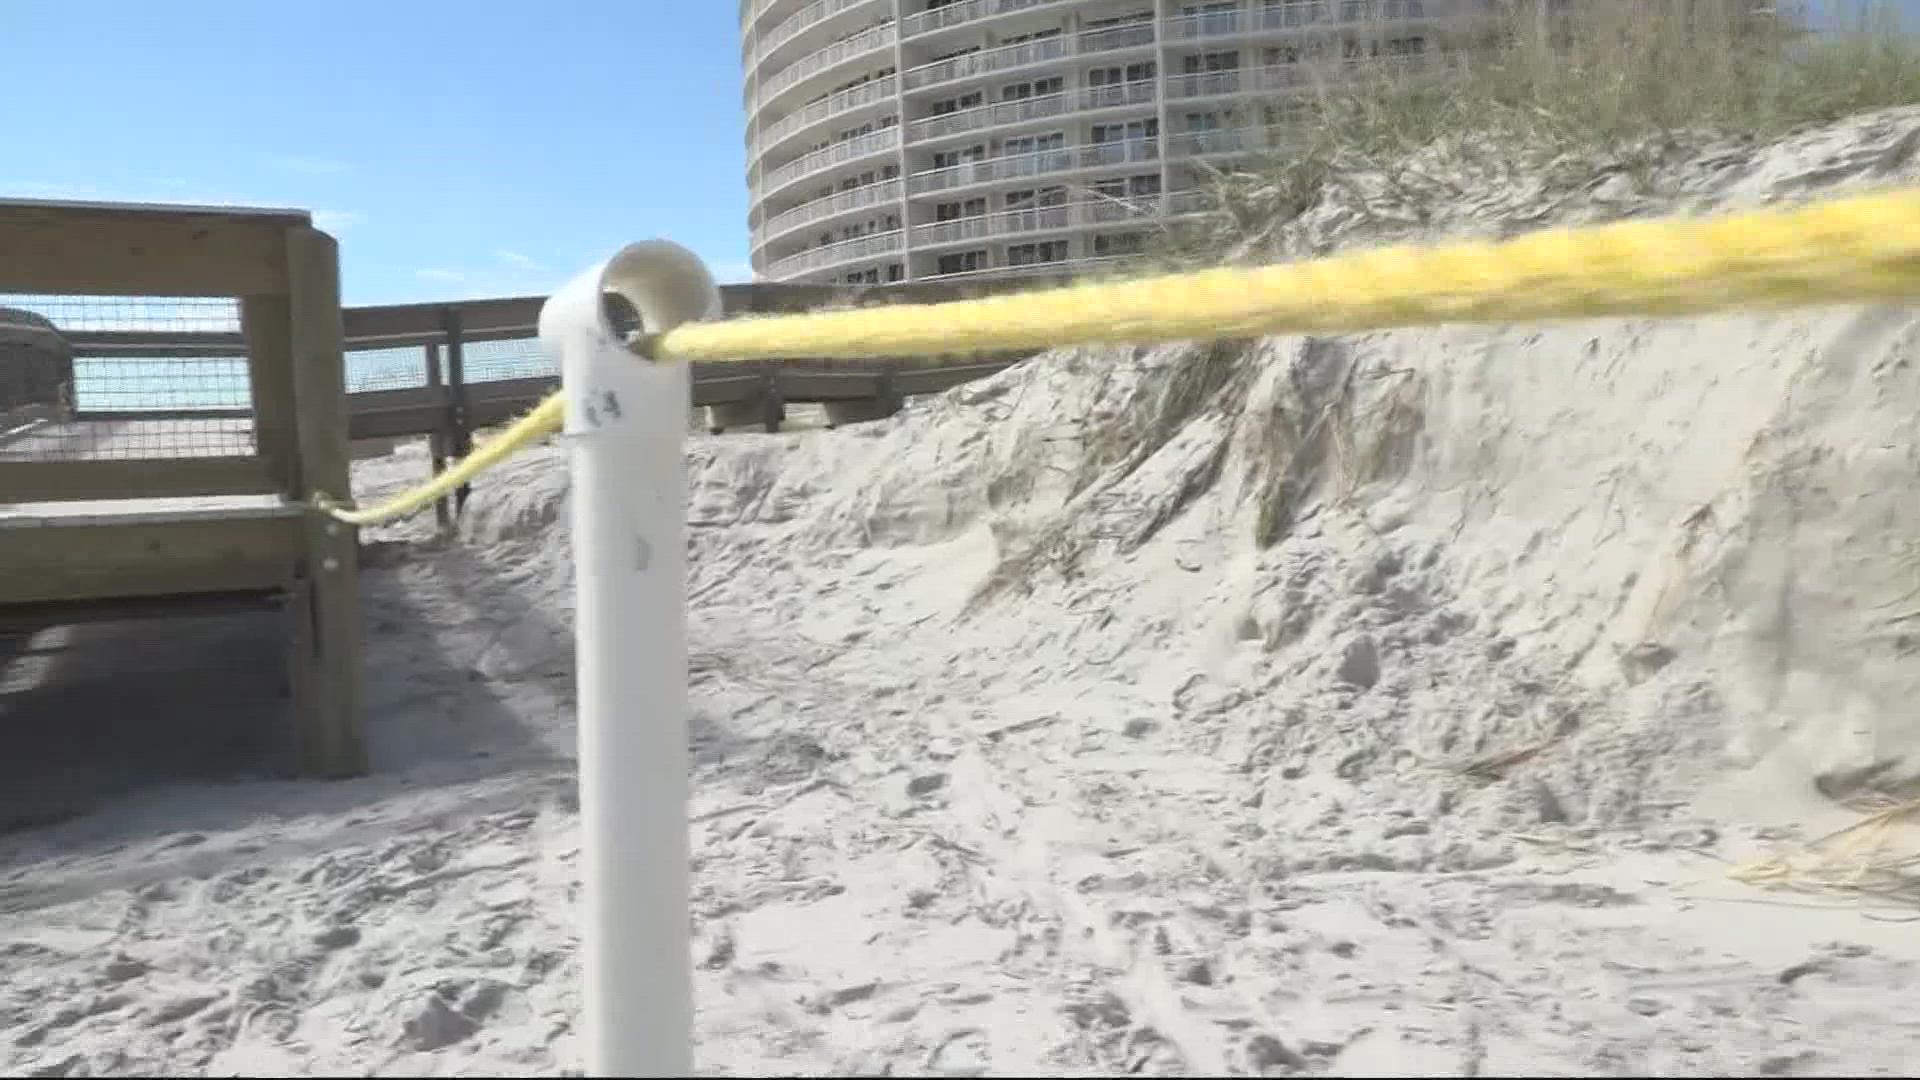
(626, 426)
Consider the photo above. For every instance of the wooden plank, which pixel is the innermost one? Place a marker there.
(520, 314)
(333, 732)
(150, 343)
(729, 389)
(529, 390)
(27, 618)
(263, 324)
(97, 416)
(826, 385)
(396, 423)
(47, 481)
(912, 382)
(148, 511)
(102, 250)
(437, 439)
(142, 344)
(82, 562)
(459, 424)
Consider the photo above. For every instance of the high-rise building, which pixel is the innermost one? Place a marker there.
(914, 140)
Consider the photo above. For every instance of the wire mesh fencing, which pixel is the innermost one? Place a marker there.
(129, 378)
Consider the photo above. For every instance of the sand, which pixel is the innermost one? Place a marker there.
(1383, 705)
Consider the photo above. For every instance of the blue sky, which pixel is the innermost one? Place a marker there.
(456, 149)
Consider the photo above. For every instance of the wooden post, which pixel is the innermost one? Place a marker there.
(263, 325)
(437, 439)
(462, 435)
(332, 737)
(773, 404)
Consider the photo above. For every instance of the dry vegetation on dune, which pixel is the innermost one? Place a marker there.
(1617, 87)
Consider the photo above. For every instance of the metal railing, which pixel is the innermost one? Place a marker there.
(1273, 77)
(1035, 163)
(1064, 268)
(1003, 113)
(1021, 54)
(1238, 140)
(923, 22)
(799, 22)
(814, 112)
(1295, 15)
(840, 202)
(873, 142)
(1004, 223)
(845, 251)
(1095, 209)
(866, 41)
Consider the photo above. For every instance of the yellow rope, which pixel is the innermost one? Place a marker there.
(545, 419)
(1853, 250)
(1846, 251)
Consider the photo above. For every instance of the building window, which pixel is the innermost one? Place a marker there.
(1021, 91)
(962, 262)
(947, 159)
(1030, 198)
(1204, 63)
(1032, 144)
(896, 272)
(1116, 74)
(1037, 35)
(1123, 187)
(1216, 18)
(1127, 130)
(954, 211)
(1132, 19)
(1045, 251)
(1295, 12)
(956, 104)
(1106, 244)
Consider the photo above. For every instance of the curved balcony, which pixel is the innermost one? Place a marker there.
(1037, 163)
(759, 8)
(1297, 15)
(1080, 214)
(799, 23)
(884, 193)
(1025, 53)
(1071, 268)
(1240, 140)
(1278, 77)
(1009, 113)
(859, 249)
(846, 101)
(860, 44)
(926, 22)
(827, 157)
(987, 226)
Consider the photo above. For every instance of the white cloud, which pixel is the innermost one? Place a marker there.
(518, 260)
(435, 273)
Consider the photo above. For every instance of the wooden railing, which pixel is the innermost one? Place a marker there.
(442, 401)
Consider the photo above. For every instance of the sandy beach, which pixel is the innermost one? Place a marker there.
(1383, 705)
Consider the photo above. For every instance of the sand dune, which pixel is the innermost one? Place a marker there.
(1384, 705)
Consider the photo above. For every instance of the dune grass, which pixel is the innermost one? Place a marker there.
(1591, 79)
